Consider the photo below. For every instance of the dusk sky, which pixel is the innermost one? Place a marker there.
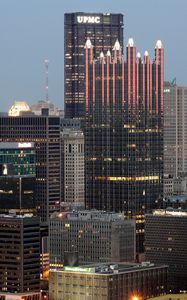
(32, 30)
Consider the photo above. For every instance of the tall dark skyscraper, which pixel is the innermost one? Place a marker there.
(19, 257)
(103, 30)
(123, 138)
(44, 133)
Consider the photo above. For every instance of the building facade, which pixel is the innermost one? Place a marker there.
(103, 30)
(123, 136)
(166, 242)
(175, 129)
(44, 132)
(108, 282)
(19, 255)
(72, 179)
(17, 177)
(97, 236)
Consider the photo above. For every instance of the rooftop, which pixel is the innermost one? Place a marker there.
(17, 108)
(109, 268)
(171, 297)
(89, 215)
(170, 212)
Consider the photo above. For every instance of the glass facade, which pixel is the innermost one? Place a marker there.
(123, 136)
(22, 160)
(103, 30)
(44, 132)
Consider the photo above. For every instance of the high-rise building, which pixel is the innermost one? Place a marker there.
(166, 242)
(19, 257)
(108, 281)
(42, 104)
(123, 135)
(103, 30)
(44, 132)
(96, 236)
(72, 179)
(175, 129)
(17, 177)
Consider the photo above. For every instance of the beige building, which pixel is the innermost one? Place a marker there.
(112, 281)
(72, 150)
(175, 129)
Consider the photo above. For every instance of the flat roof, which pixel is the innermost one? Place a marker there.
(171, 296)
(109, 268)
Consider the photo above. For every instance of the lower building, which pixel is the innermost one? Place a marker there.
(112, 281)
(97, 236)
(19, 255)
(21, 296)
(166, 242)
(182, 296)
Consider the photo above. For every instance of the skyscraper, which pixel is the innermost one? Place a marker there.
(175, 129)
(44, 133)
(103, 30)
(72, 179)
(19, 257)
(123, 136)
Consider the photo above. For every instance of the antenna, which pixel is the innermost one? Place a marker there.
(46, 63)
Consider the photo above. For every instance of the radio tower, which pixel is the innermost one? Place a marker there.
(46, 63)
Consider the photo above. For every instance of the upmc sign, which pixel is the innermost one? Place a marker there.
(88, 19)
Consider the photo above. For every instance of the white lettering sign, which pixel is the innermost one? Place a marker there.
(88, 19)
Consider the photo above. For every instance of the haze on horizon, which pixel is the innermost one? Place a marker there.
(32, 31)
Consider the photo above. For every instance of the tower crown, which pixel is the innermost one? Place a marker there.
(159, 44)
(130, 42)
(117, 46)
(88, 44)
(108, 53)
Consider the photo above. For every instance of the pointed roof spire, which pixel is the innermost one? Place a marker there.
(146, 53)
(130, 42)
(159, 44)
(108, 53)
(117, 46)
(88, 44)
(101, 54)
(138, 55)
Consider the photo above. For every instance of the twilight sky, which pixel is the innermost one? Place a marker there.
(32, 30)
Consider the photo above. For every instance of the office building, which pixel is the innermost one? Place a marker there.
(123, 136)
(72, 179)
(118, 281)
(19, 256)
(70, 123)
(17, 177)
(175, 129)
(103, 30)
(166, 242)
(97, 236)
(44, 132)
(42, 104)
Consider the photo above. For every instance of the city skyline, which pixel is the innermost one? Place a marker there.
(26, 44)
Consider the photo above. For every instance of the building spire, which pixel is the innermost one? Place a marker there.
(88, 44)
(130, 42)
(159, 44)
(117, 46)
